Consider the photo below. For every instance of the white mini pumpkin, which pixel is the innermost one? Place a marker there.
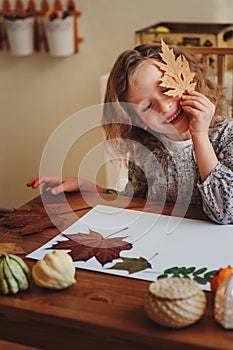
(55, 271)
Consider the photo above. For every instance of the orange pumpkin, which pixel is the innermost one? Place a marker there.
(219, 276)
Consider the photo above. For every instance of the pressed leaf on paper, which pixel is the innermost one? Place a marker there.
(84, 246)
(30, 221)
(177, 76)
(132, 265)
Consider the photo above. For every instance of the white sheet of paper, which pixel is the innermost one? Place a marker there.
(163, 240)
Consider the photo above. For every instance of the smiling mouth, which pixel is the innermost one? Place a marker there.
(173, 117)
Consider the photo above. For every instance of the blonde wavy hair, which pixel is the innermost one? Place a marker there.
(118, 117)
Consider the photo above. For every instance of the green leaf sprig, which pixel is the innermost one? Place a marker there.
(200, 275)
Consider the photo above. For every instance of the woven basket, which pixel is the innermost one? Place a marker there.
(175, 302)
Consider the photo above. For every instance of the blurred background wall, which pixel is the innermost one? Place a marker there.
(39, 92)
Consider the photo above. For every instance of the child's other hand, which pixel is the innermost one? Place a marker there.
(55, 184)
(200, 110)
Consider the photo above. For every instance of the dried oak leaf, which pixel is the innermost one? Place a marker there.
(84, 246)
(30, 221)
(10, 248)
(132, 265)
(177, 76)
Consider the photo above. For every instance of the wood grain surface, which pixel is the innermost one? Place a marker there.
(100, 310)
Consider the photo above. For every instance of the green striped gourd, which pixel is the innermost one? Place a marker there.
(14, 274)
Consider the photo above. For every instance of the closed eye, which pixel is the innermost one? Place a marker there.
(147, 108)
(165, 90)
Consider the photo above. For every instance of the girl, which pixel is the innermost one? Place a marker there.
(178, 149)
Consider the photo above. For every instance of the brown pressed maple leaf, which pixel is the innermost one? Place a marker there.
(30, 221)
(84, 246)
(177, 76)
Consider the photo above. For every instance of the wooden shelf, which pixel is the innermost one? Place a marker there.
(40, 40)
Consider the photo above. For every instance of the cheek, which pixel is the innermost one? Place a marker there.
(138, 121)
(151, 122)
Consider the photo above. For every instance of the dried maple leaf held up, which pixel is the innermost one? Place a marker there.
(177, 76)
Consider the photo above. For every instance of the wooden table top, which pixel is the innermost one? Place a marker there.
(100, 310)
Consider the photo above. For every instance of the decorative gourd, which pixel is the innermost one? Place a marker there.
(221, 275)
(55, 271)
(223, 303)
(14, 274)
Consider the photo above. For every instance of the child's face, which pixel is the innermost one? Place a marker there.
(158, 111)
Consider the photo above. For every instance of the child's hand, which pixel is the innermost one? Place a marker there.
(55, 184)
(200, 110)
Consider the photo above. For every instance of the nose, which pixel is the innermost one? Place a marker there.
(164, 104)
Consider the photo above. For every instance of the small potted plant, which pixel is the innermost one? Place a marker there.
(19, 28)
(59, 29)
